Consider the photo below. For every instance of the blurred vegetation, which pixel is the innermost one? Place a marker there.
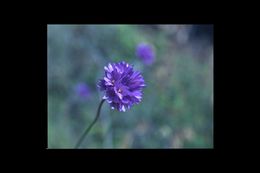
(177, 106)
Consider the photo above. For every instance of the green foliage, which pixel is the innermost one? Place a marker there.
(177, 106)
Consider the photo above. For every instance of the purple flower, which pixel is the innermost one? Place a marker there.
(145, 52)
(122, 86)
(82, 90)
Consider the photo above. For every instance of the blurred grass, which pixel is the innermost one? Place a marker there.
(177, 106)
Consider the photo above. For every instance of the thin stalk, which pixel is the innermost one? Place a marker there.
(89, 127)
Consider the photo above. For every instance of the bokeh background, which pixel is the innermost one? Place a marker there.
(177, 106)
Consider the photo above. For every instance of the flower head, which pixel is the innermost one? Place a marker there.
(146, 53)
(122, 86)
(82, 90)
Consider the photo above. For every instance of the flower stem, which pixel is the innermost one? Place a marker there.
(89, 127)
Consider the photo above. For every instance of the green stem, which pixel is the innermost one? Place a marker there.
(89, 127)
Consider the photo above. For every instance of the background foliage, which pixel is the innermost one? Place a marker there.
(177, 106)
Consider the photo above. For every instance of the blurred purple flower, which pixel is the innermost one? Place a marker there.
(122, 85)
(146, 53)
(82, 90)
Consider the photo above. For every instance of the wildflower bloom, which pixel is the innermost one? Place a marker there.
(122, 86)
(146, 53)
(82, 90)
